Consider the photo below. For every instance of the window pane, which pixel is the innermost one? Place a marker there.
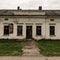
(19, 30)
(6, 30)
(38, 30)
(52, 30)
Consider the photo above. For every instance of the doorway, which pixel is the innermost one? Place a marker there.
(28, 32)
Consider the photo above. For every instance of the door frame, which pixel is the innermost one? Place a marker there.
(28, 29)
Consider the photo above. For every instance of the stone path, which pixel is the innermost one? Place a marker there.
(30, 48)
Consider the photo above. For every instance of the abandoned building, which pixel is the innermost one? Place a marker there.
(29, 24)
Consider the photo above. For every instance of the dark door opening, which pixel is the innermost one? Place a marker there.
(28, 32)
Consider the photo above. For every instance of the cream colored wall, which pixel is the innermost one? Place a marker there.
(55, 23)
(33, 22)
(14, 35)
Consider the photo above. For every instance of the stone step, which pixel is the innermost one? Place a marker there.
(30, 49)
(31, 54)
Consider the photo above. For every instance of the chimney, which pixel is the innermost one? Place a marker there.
(18, 8)
(40, 7)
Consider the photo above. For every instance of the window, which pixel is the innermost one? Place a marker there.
(19, 30)
(52, 30)
(6, 30)
(6, 18)
(51, 19)
(38, 30)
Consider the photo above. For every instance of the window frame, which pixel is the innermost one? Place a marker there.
(52, 31)
(19, 29)
(38, 30)
(5, 30)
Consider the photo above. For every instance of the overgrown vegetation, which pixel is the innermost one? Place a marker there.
(49, 47)
(10, 47)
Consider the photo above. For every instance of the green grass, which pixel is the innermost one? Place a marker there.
(10, 48)
(49, 47)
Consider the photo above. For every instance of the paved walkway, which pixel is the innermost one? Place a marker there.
(28, 58)
(30, 48)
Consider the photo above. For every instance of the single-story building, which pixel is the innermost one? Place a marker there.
(30, 24)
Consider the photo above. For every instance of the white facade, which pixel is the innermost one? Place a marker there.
(30, 20)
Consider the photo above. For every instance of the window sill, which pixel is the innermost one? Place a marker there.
(38, 35)
(5, 35)
(52, 35)
(19, 35)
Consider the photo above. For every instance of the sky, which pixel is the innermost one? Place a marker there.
(30, 4)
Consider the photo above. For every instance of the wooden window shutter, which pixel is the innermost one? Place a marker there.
(11, 28)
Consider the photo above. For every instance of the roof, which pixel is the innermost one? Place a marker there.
(30, 12)
(52, 12)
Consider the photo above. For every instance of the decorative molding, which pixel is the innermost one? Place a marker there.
(38, 23)
(52, 23)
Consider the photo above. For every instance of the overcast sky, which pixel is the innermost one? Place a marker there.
(30, 4)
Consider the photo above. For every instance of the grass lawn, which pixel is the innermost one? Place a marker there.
(49, 47)
(10, 48)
